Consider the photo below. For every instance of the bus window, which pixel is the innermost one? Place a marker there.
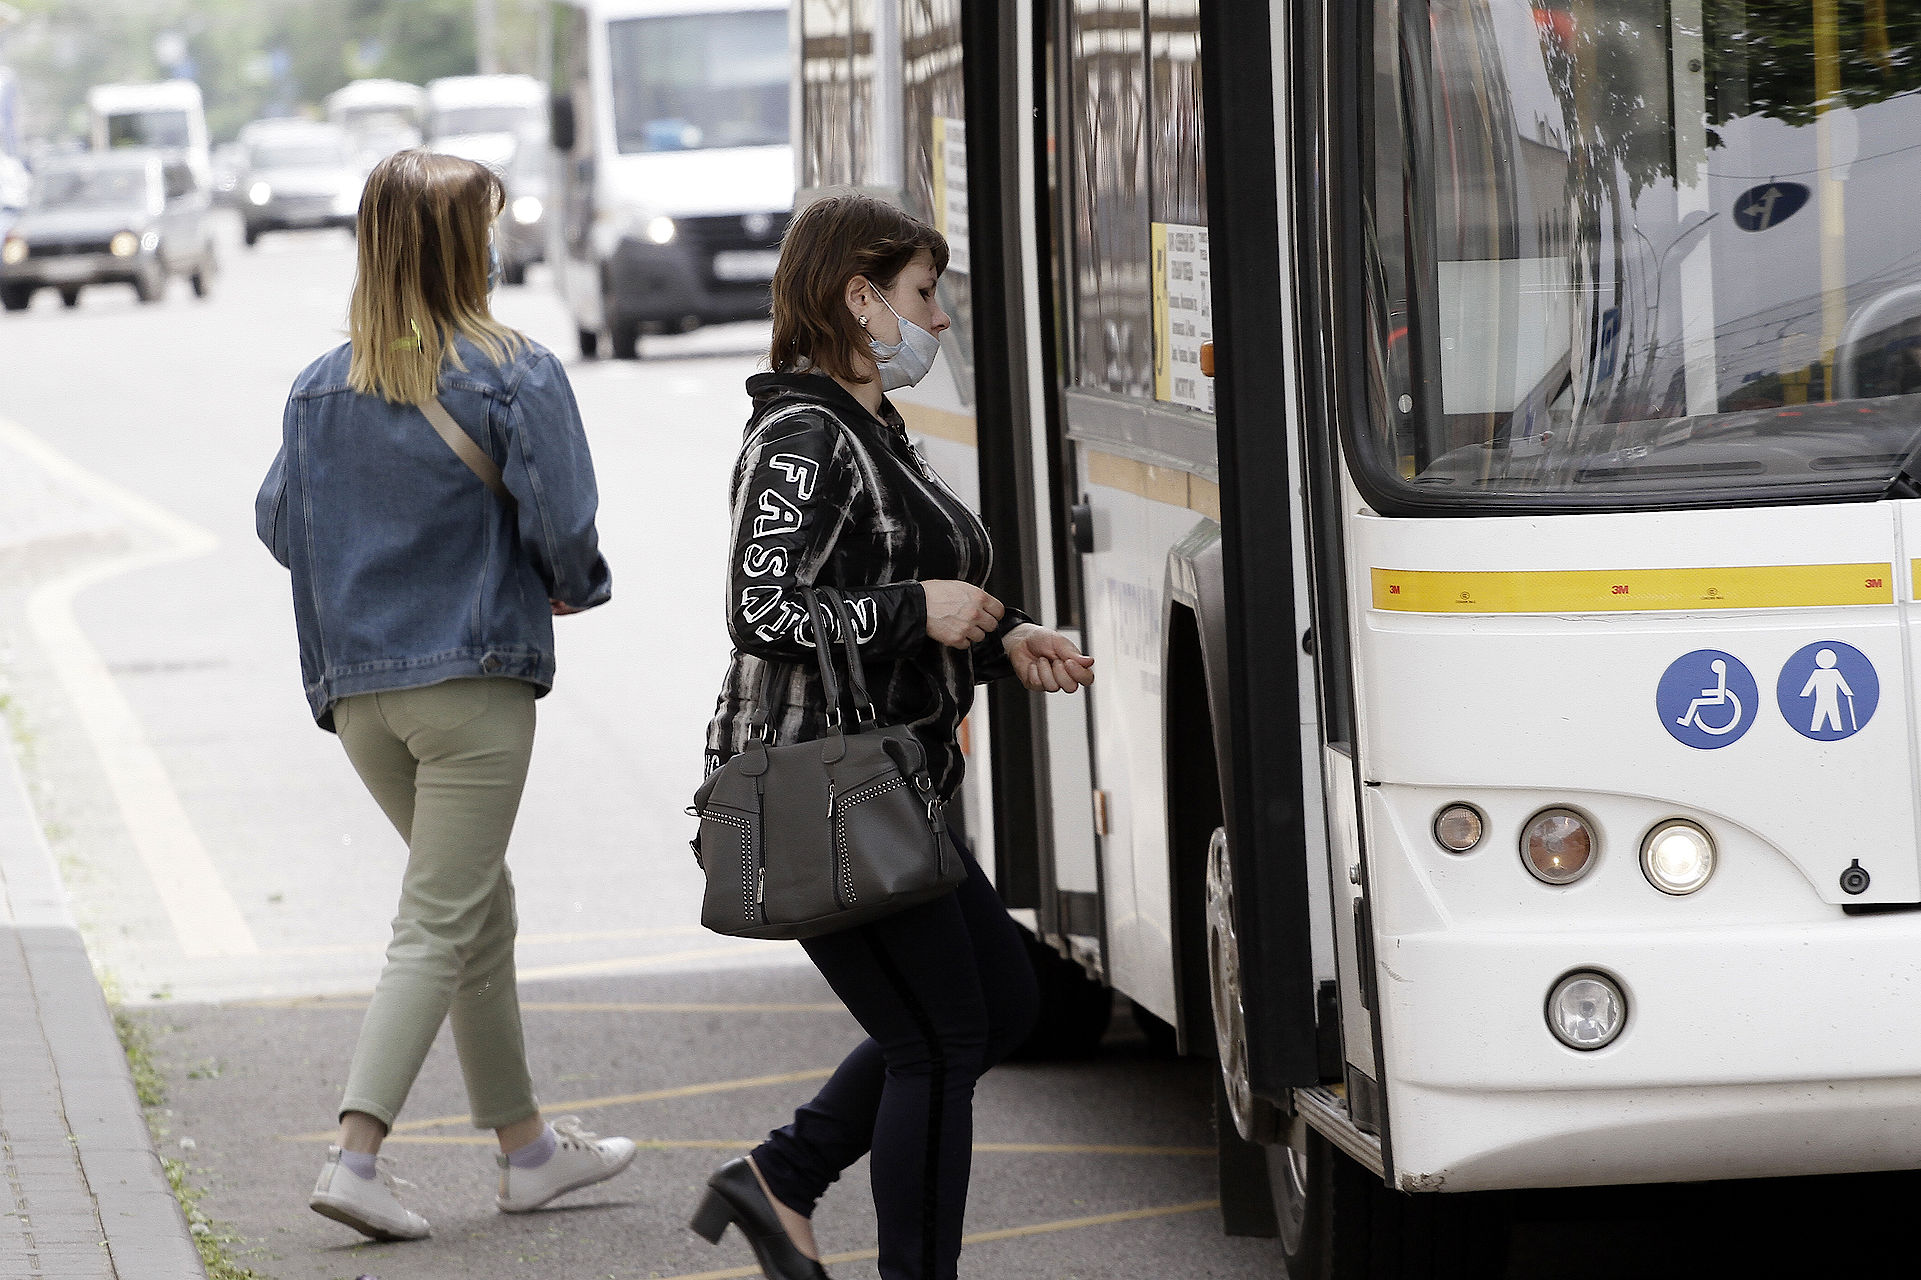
(1112, 285)
(694, 81)
(1656, 250)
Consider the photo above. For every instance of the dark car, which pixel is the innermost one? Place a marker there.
(121, 217)
(298, 174)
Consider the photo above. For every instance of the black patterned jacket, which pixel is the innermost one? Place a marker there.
(826, 495)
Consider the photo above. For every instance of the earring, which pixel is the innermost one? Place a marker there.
(863, 322)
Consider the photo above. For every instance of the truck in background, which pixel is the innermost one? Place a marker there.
(169, 116)
(501, 121)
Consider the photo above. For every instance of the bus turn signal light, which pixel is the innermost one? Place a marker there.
(1677, 857)
(1458, 828)
(1557, 846)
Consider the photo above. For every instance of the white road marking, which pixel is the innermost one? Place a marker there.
(205, 917)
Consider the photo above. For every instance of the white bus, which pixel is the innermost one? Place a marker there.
(169, 116)
(1481, 441)
(672, 175)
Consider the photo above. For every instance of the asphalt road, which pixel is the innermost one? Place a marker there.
(235, 883)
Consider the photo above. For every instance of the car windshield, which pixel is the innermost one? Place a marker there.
(322, 154)
(161, 128)
(1659, 250)
(91, 188)
(451, 122)
(695, 81)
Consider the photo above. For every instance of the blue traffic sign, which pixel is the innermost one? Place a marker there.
(1707, 699)
(1768, 205)
(1828, 691)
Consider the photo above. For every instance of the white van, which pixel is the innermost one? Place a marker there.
(673, 172)
(168, 116)
(382, 116)
(485, 118)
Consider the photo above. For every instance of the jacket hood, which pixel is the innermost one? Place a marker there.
(771, 391)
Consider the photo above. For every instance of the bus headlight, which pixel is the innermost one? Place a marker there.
(661, 230)
(260, 193)
(124, 245)
(1458, 828)
(1677, 857)
(527, 210)
(1586, 1010)
(1557, 846)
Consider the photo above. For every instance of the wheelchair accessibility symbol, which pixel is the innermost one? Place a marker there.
(1707, 699)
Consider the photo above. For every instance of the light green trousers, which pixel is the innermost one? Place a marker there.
(447, 764)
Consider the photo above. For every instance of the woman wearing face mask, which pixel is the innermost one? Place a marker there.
(829, 491)
(424, 607)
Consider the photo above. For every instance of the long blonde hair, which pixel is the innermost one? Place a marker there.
(424, 225)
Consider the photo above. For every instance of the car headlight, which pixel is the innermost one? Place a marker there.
(124, 245)
(1586, 1010)
(260, 193)
(150, 241)
(661, 230)
(15, 251)
(1677, 857)
(527, 210)
(1557, 846)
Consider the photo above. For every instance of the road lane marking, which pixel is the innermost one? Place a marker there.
(616, 1100)
(988, 1237)
(627, 964)
(748, 1144)
(351, 1003)
(205, 918)
(520, 940)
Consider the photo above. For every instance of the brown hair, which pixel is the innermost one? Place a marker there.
(831, 241)
(424, 224)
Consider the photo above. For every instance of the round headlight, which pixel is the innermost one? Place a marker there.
(1677, 857)
(661, 230)
(14, 252)
(1557, 846)
(260, 193)
(1458, 827)
(527, 210)
(1586, 1010)
(124, 245)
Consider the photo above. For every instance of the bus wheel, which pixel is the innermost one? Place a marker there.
(1253, 1119)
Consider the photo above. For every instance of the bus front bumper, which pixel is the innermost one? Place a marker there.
(1756, 1051)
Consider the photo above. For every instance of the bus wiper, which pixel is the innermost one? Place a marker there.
(1907, 480)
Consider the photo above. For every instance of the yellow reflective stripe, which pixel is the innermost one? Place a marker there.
(1635, 590)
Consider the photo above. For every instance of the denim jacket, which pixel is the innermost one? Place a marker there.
(407, 571)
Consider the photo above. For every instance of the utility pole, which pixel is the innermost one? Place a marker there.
(486, 42)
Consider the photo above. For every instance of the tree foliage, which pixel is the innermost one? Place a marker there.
(252, 58)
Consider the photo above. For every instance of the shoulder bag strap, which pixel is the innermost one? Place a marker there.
(856, 672)
(464, 447)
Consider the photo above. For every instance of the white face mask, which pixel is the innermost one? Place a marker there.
(906, 362)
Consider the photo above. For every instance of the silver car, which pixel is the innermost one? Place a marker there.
(119, 217)
(298, 174)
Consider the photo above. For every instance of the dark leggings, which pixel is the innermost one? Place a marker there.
(944, 991)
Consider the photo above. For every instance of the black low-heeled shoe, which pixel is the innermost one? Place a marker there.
(734, 1196)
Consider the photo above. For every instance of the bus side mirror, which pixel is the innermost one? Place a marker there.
(560, 121)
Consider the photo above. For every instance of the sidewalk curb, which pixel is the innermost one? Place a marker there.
(145, 1235)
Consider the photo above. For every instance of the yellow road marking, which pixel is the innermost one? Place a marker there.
(522, 940)
(350, 1003)
(616, 1100)
(987, 1237)
(1634, 590)
(623, 964)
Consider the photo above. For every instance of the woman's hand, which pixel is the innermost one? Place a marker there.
(1047, 661)
(561, 608)
(959, 614)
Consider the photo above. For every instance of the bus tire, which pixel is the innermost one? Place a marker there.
(1339, 1222)
(1074, 1008)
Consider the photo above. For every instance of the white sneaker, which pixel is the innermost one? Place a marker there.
(366, 1204)
(579, 1160)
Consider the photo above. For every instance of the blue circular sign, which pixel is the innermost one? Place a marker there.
(1828, 691)
(1768, 205)
(1707, 699)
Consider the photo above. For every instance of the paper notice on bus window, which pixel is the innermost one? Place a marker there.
(950, 188)
(1183, 315)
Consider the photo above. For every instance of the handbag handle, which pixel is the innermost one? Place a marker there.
(817, 613)
(864, 712)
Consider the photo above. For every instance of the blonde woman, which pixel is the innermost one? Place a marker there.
(434, 499)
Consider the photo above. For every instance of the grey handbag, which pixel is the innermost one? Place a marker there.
(805, 838)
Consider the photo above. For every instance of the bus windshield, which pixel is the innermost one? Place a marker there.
(695, 81)
(162, 128)
(1657, 251)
